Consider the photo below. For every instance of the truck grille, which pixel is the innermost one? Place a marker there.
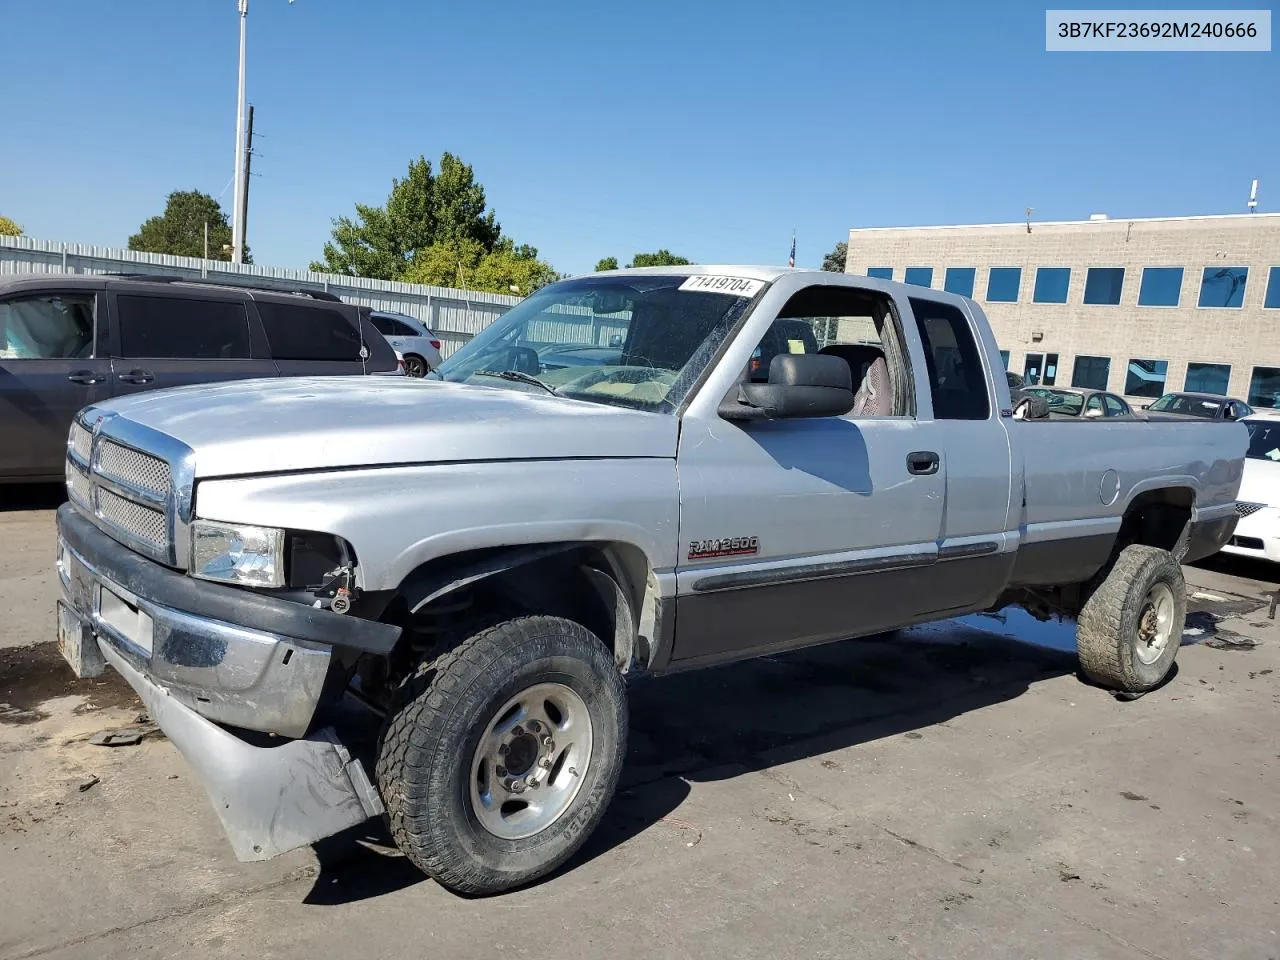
(79, 487)
(81, 441)
(142, 523)
(128, 493)
(1244, 508)
(119, 463)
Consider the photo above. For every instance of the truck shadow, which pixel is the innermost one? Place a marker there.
(722, 723)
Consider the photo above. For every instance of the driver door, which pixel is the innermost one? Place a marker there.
(806, 530)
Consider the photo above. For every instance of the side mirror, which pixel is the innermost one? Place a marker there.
(1093, 414)
(1030, 407)
(800, 385)
(1146, 406)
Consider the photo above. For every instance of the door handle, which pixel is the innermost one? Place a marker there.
(923, 462)
(136, 376)
(85, 377)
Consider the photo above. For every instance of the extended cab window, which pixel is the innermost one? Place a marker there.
(311, 332)
(956, 377)
(855, 325)
(51, 327)
(178, 328)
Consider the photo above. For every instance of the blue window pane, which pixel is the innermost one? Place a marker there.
(1208, 377)
(1264, 387)
(1003, 283)
(1223, 286)
(1091, 372)
(1161, 287)
(880, 273)
(959, 280)
(1273, 290)
(920, 276)
(1004, 358)
(1051, 285)
(1146, 378)
(1102, 285)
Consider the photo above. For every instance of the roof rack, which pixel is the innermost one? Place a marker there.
(204, 281)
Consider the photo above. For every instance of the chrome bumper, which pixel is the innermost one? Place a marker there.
(245, 678)
(270, 799)
(190, 671)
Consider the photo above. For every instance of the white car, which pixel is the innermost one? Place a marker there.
(419, 347)
(1258, 503)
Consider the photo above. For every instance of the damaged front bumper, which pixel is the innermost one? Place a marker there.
(195, 672)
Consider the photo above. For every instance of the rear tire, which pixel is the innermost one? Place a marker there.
(1130, 628)
(541, 693)
(414, 366)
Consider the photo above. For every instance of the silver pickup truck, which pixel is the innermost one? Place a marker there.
(635, 472)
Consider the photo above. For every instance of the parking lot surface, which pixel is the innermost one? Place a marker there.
(954, 791)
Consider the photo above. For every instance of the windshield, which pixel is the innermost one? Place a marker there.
(1264, 440)
(1060, 401)
(1188, 406)
(637, 341)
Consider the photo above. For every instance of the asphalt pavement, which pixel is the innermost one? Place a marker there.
(954, 792)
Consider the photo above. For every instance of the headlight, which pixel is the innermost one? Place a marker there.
(231, 553)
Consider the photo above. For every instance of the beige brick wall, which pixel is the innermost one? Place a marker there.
(1244, 337)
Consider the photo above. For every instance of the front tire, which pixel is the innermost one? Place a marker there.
(1130, 628)
(498, 759)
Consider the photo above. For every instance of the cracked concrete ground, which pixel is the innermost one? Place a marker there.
(950, 793)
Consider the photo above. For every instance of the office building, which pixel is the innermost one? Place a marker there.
(1140, 307)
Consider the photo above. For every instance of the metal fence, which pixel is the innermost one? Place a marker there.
(454, 315)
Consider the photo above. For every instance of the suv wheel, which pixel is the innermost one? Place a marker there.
(498, 758)
(414, 366)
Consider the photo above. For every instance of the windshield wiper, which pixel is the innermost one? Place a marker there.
(518, 376)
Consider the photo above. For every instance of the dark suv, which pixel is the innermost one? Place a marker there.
(67, 340)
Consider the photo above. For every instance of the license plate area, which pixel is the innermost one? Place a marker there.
(77, 644)
(123, 618)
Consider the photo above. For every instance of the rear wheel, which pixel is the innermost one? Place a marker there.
(414, 366)
(1130, 628)
(499, 758)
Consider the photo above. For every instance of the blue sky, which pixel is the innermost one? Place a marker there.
(712, 129)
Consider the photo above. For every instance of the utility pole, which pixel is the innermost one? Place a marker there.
(206, 239)
(244, 201)
(237, 229)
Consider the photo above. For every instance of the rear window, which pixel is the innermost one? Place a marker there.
(178, 328)
(309, 332)
(955, 366)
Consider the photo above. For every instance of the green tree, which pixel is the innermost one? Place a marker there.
(9, 228)
(659, 258)
(423, 209)
(834, 261)
(607, 263)
(180, 229)
(465, 263)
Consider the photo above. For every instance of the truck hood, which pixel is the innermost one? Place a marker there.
(315, 423)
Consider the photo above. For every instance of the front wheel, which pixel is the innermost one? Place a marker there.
(499, 758)
(1130, 628)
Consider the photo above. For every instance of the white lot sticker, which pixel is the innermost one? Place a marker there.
(714, 283)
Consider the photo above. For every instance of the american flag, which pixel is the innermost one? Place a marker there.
(791, 261)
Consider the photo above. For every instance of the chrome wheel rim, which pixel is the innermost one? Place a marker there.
(1155, 623)
(531, 761)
